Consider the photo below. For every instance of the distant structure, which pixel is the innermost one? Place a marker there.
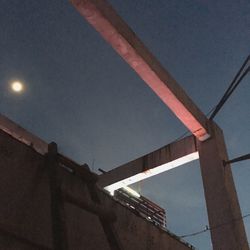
(49, 202)
(142, 206)
(220, 194)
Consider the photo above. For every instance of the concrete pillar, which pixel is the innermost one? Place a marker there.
(227, 229)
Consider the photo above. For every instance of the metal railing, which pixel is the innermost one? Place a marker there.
(142, 206)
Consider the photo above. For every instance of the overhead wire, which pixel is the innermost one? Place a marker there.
(235, 82)
(238, 159)
(233, 85)
(214, 227)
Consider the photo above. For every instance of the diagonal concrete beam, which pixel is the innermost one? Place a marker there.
(118, 34)
(22, 135)
(173, 155)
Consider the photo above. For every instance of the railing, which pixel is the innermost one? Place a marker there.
(142, 206)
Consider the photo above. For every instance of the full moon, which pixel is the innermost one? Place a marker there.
(17, 87)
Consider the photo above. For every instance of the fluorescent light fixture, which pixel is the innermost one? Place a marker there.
(151, 172)
(132, 192)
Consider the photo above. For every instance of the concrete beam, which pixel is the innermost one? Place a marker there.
(224, 214)
(163, 159)
(118, 34)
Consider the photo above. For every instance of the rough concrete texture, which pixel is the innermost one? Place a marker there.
(25, 216)
(224, 214)
(166, 154)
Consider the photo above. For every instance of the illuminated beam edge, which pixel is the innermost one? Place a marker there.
(165, 158)
(151, 172)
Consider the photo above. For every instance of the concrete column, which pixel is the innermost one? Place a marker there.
(227, 229)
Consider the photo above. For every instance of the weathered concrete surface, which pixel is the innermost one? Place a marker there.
(22, 135)
(223, 208)
(118, 34)
(24, 192)
(153, 237)
(174, 154)
(25, 216)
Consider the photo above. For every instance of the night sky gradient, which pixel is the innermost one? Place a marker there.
(82, 95)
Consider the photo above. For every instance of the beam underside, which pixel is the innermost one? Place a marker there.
(118, 34)
(112, 28)
(173, 155)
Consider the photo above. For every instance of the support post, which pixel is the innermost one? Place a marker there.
(108, 227)
(59, 237)
(224, 214)
(91, 207)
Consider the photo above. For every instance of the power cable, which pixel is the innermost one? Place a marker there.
(238, 74)
(240, 158)
(236, 81)
(215, 227)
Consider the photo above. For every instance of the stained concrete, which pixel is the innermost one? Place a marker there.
(25, 216)
(224, 213)
(166, 154)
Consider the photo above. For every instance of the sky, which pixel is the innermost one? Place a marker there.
(82, 95)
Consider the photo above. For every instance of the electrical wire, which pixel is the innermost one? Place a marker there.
(214, 111)
(236, 81)
(238, 159)
(215, 227)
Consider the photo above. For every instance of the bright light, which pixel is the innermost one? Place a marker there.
(131, 191)
(151, 172)
(17, 87)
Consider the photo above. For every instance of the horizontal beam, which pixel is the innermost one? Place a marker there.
(173, 155)
(119, 35)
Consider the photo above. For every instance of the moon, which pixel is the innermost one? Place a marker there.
(17, 87)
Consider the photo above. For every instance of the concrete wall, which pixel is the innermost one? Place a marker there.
(25, 209)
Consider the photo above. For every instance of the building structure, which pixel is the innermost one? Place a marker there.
(220, 194)
(221, 198)
(50, 202)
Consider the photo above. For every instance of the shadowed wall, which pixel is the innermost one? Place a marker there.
(25, 210)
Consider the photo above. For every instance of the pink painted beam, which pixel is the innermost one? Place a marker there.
(118, 34)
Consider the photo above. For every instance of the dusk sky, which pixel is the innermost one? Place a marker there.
(82, 95)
